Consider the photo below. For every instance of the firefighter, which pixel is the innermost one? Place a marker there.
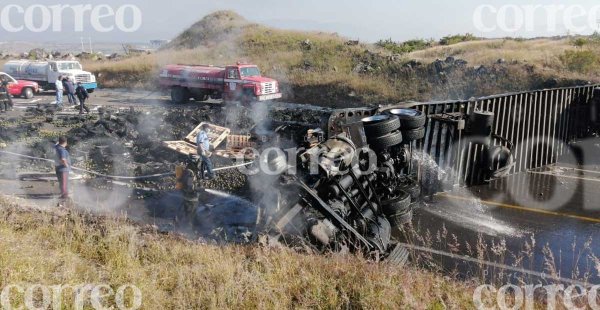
(5, 98)
(203, 145)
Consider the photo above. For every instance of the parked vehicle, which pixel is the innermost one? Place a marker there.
(20, 88)
(46, 72)
(240, 82)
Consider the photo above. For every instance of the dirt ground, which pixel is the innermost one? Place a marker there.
(122, 136)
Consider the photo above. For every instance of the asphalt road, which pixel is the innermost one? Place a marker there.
(546, 221)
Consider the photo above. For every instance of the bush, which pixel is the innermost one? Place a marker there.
(582, 61)
(404, 47)
(449, 40)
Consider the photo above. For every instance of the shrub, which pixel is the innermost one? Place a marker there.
(580, 42)
(449, 40)
(582, 61)
(404, 47)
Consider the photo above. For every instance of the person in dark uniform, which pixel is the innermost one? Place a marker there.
(5, 97)
(62, 164)
(70, 88)
(82, 95)
(65, 89)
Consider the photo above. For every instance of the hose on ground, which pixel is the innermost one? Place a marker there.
(114, 177)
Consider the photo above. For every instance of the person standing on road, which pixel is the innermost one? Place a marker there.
(5, 98)
(203, 145)
(82, 95)
(62, 165)
(59, 92)
(70, 88)
(65, 89)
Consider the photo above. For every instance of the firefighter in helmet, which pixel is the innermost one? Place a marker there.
(5, 98)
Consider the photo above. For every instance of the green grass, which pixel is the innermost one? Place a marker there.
(581, 61)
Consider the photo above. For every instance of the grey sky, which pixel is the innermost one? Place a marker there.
(357, 19)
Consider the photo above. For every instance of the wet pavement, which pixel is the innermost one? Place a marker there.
(546, 220)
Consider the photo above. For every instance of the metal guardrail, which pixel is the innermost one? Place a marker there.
(538, 123)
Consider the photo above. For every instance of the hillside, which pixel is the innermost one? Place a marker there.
(69, 248)
(326, 69)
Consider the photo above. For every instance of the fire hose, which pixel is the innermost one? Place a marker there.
(114, 177)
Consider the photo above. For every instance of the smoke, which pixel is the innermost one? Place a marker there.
(472, 216)
(263, 185)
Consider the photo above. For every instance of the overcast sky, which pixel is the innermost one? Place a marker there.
(367, 20)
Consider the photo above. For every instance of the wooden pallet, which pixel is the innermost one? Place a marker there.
(216, 135)
(181, 147)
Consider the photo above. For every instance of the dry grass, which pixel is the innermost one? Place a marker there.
(545, 54)
(71, 248)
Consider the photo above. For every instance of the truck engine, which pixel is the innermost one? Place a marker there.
(349, 192)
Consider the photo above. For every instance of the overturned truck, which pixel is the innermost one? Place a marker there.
(348, 190)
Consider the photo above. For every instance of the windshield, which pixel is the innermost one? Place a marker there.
(7, 78)
(250, 71)
(69, 66)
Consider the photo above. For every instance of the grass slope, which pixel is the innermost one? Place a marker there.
(67, 247)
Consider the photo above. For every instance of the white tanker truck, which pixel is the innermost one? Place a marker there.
(45, 73)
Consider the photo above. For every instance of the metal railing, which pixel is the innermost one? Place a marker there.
(539, 124)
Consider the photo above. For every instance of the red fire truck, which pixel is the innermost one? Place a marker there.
(240, 82)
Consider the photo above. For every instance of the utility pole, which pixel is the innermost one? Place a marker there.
(91, 50)
(82, 46)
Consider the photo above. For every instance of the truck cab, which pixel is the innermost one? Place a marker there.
(245, 83)
(74, 70)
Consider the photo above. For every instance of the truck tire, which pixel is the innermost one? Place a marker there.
(384, 142)
(179, 95)
(380, 125)
(90, 91)
(27, 93)
(413, 134)
(409, 118)
(397, 205)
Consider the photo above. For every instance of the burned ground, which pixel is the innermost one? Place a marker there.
(128, 141)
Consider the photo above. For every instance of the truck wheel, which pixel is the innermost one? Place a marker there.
(179, 95)
(380, 125)
(90, 91)
(409, 118)
(413, 134)
(384, 142)
(27, 93)
(398, 205)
